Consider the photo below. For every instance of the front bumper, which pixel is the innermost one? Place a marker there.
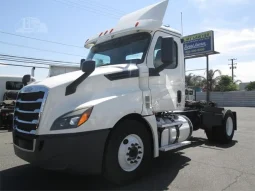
(79, 152)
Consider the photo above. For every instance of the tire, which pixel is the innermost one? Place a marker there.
(123, 135)
(226, 133)
(210, 136)
(223, 134)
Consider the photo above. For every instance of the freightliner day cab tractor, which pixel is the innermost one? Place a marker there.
(124, 107)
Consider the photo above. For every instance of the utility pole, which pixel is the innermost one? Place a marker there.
(232, 67)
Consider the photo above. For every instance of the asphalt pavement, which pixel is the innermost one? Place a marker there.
(199, 166)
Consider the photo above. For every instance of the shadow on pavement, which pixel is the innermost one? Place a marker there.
(197, 141)
(26, 177)
(164, 170)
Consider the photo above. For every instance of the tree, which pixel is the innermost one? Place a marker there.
(189, 79)
(193, 80)
(213, 81)
(250, 86)
(226, 84)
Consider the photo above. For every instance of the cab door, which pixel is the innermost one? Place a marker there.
(167, 86)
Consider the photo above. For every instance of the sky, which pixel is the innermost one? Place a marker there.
(72, 22)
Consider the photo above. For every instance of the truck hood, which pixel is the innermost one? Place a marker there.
(67, 78)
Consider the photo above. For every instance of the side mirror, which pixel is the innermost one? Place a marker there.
(82, 60)
(167, 50)
(88, 66)
(26, 79)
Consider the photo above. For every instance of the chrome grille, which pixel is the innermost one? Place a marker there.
(29, 106)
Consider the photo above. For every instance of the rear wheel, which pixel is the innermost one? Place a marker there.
(129, 152)
(224, 133)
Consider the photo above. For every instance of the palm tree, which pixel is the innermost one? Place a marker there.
(193, 80)
(237, 81)
(213, 81)
(189, 79)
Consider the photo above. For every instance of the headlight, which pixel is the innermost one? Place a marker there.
(72, 119)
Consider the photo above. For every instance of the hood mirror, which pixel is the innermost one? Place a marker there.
(82, 60)
(88, 66)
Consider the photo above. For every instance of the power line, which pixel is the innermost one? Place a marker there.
(104, 6)
(8, 33)
(52, 51)
(195, 70)
(84, 7)
(94, 9)
(77, 5)
(23, 65)
(33, 62)
(36, 59)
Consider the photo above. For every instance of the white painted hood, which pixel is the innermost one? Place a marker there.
(67, 78)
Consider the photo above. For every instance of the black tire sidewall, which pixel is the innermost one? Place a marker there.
(112, 170)
(219, 133)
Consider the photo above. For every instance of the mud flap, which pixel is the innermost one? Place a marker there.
(212, 117)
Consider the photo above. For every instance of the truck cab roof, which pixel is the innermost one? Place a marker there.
(147, 19)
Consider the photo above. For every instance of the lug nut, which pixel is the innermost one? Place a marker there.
(136, 144)
(140, 152)
(135, 161)
(129, 159)
(138, 157)
(125, 142)
(132, 144)
(127, 154)
(129, 148)
(139, 147)
(131, 162)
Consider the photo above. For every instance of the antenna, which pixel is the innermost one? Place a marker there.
(181, 24)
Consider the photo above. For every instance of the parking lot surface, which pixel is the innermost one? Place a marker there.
(200, 166)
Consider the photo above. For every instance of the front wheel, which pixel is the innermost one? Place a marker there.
(128, 153)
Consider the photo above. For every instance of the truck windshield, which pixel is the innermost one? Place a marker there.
(127, 49)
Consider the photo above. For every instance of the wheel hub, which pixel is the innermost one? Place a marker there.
(130, 152)
(133, 152)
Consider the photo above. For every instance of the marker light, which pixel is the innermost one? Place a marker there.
(137, 23)
(72, 119)
(85, 116)
(106, 32)
(111, 30)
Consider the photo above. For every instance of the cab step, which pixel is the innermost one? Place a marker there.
(174, 146)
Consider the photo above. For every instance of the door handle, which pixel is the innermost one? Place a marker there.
(179, 96)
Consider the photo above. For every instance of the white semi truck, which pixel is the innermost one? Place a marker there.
(124, 107)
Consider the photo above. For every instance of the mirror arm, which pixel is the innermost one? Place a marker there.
(71, 88)
(161, 67)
